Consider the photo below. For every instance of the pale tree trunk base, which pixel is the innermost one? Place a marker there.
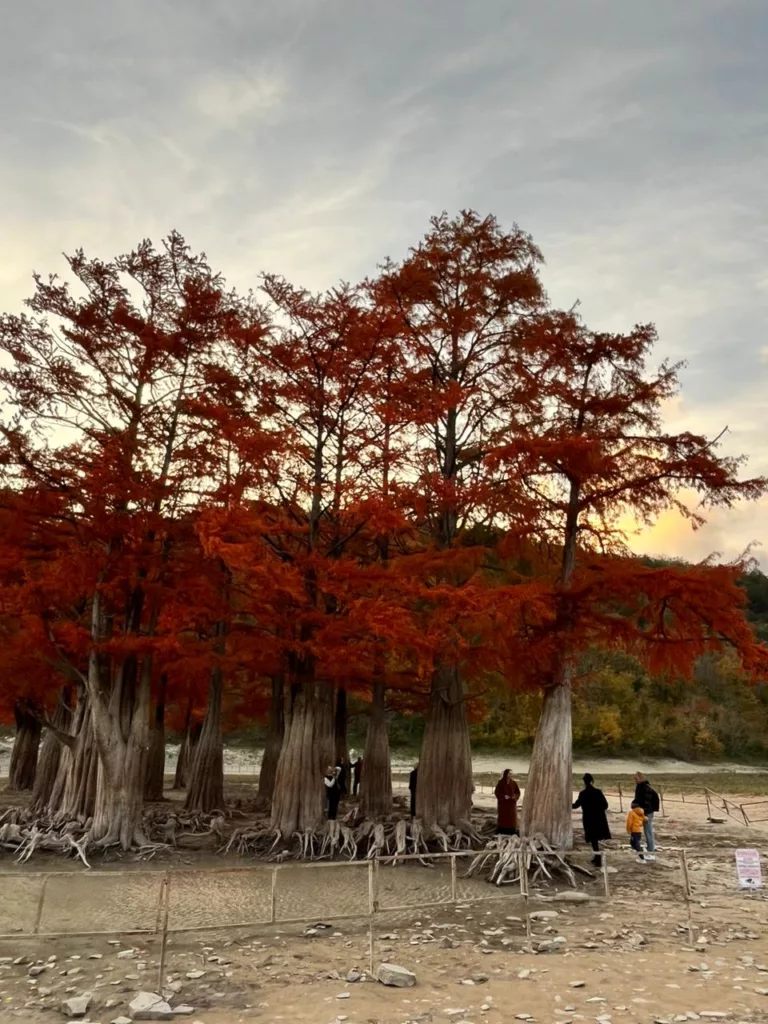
(23, 766)
(205, 791)
(49, 759)
(298, 802)
(549, 791)
(376, 780)
(444, 789)
(74, 792)
(274, 744)
(186, 755)
(120, 800)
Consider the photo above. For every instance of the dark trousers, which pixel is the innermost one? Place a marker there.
(333, 806)
(636, 842)
(595, 844)
(355, 787)
(413, 805)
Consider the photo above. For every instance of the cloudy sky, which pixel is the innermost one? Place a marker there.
(314, 137)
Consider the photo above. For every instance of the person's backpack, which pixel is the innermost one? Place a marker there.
(654, 799)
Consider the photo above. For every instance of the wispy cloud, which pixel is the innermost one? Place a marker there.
(314, 138)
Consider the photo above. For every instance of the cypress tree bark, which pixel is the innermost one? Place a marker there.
(155, 776)
(205, 791)
(376, 781)
(181, 774)
(298, 803)
(51, 748)
(341, 749)
(444, 791)
(74, 791)
(274, 744)
(549, 792)
(23, 766)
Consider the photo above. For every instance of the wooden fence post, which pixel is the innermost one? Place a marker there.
(621, 800)
(688, 894)
(273, 897)
(453, 879)
(166, 888)
(371, 912)
(524, 894)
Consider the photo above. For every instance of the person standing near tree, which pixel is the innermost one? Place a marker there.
(647, 798)
(332, 791)
(341, 775)
(507, 794)
(413, 780)
(593, 806)
(357, 774)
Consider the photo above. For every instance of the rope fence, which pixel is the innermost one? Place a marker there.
(156, 902)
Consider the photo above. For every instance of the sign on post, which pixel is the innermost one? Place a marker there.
(748, 869)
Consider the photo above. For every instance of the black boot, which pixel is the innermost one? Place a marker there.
(597, 860)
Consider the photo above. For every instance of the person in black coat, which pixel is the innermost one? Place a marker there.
(593, 807)
(332, 792)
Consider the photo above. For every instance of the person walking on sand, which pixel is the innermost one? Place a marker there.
(636, 820)
(593, 806)
(413, 781)
(332, 791)
(647, 797)
(507, 794)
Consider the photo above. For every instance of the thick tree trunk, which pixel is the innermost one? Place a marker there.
(181, 775)
(121, 731)
(155, 775)
(274, 743)
(23, 767)
(444, 791)
(51, 750)
(74, 791)
(298, 803)
(205, 791)
(549, 792)
(340, 727)
(376, 781)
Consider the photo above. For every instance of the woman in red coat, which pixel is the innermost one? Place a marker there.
(507, 794)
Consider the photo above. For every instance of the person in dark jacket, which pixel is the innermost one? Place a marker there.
(413, 780)
(357, 774)
(593, 806)
(332, 791)
(647, 798)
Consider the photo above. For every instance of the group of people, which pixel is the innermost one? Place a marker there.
(594, 806)
(336, 784)
(591, 801)
(336, 780)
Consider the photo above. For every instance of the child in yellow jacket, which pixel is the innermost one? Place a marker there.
(636, 819)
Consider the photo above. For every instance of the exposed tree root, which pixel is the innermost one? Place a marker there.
(504, 856)
(365, 840)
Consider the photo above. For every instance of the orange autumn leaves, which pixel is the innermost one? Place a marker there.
(366, 481)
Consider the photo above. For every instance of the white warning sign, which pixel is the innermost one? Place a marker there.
(748, 869)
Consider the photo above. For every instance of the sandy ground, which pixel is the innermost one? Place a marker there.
(239, 761)
(633, 953)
